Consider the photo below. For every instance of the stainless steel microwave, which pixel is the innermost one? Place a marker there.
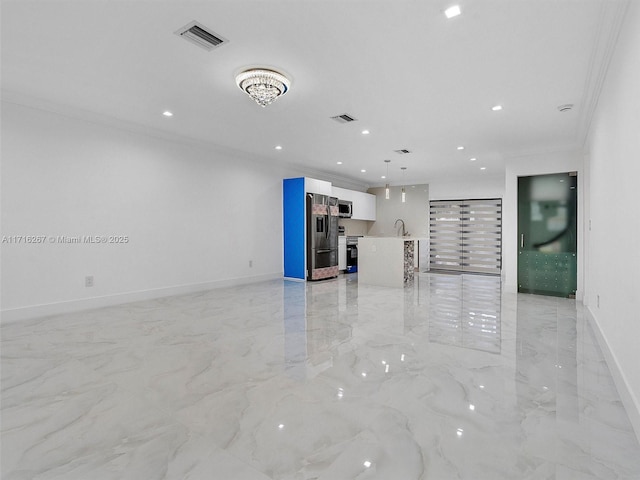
(345, 208)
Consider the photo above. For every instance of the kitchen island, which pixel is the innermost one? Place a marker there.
(386, 261)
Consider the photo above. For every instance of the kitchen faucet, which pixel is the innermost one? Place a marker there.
(395, 225)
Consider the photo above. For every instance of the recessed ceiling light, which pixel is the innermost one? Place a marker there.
(363, 171)
(483, 168)
(167, 113)
(278, 147)
(365, 132)
(473, 159)
(496, 108)
(339, 163)
(452, 11)
(460, 147)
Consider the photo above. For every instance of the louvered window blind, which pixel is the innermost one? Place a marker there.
(466, 235)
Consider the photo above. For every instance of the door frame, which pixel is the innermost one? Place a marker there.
(536, 284)
(539, 164)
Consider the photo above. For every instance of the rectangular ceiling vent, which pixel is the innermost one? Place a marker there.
(402, 151)
(200, 35)
(344, 118)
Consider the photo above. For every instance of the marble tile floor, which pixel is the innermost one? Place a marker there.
(446, 379)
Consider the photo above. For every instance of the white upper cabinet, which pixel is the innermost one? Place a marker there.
(365, 207)
(342, 193)
(364, 204)
(311, 185)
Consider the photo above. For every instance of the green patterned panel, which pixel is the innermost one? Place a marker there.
(547, 273)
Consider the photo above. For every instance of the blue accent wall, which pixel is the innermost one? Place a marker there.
(293, 209)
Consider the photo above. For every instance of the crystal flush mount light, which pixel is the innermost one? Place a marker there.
(263, 85)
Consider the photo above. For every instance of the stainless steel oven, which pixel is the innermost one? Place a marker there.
(352, 254)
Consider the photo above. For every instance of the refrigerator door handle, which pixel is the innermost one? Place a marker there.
(328, 229)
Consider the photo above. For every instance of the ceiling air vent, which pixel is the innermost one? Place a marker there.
(200, 35)
(402, 151)
(344, 118)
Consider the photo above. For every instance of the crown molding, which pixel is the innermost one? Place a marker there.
(336, 180)
(559, 149)
(76, 113)
(612, 14)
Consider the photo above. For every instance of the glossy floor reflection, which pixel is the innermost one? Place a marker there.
(447, 379)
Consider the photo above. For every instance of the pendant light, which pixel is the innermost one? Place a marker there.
(386, 188)
(404, 194)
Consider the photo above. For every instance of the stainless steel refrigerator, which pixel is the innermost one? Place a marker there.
(322, 236)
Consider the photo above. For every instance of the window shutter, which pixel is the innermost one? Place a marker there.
(466, 235)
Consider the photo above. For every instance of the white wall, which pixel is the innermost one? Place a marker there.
(354, 227)
(414, 212)
(194, 217)
(613, 242)
(482, 186)
(539, 164)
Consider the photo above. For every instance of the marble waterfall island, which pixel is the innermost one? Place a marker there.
(386, 261)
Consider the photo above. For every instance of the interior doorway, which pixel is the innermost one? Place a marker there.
(547, 234)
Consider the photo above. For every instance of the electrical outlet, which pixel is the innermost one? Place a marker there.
(250, 263)
(88, 281)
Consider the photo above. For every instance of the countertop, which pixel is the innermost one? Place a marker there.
(391, 237)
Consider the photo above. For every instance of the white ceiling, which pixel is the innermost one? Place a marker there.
(413, 78)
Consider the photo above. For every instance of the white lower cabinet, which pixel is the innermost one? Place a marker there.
(342, 253)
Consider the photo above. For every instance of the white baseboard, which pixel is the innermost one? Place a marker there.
(45, 310)
(629, 400)
(293, 279)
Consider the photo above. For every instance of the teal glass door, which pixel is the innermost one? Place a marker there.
(547, 234)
